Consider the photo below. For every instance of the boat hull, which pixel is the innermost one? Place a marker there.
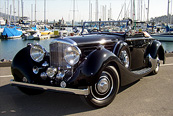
(163, 37)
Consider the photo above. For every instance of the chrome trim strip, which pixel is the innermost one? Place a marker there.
(51, 88)
(103, 41)
(65, 41)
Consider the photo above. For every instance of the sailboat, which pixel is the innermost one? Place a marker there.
(167, 35)
(34, 34)
(11, 33)
(46, 31)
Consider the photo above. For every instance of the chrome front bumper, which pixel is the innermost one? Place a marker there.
(51, 88)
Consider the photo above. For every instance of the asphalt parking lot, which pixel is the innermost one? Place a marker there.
(151, 96)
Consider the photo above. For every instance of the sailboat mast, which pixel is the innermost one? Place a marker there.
(148, 11)
(5, 11)
(10, 14)
(110, 13)
(134, 14)
(125, 15)
(89, 10)
(144, 12)
(131, 9)
(45, 11)
(18, 9)
(168, 13)
(141, 10)
(97, 12)
(0, 9)
(8, 10)
(73, 12)
(138, 10)
(171, 13)
(31, 13)
(14, 19)
(35, 12)
(22, 8)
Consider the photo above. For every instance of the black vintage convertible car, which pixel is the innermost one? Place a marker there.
(107, 55)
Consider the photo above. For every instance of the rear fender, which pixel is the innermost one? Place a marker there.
(157, 49)
(118, 46)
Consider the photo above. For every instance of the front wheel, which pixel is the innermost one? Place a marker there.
(105, 89)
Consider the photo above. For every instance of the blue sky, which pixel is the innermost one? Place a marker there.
(56, 9)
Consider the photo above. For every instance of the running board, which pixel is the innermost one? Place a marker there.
(142, 71)
(51, 88)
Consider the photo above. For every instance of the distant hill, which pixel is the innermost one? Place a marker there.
(162, 19)
(5, 16)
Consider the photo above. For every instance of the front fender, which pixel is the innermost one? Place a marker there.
(96, 60)
(88, 71)
(157, 49)
(22, 65)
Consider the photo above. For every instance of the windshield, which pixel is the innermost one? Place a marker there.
(105, 26)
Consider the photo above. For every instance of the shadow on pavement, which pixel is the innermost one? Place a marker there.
(121, 89)
(14, 102)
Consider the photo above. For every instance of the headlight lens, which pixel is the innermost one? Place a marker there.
(37, 53)
(72, 55)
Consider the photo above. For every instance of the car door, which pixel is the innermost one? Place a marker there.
(138, 48)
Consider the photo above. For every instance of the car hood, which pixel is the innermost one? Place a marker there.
(94, 39)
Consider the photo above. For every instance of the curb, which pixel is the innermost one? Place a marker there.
(169, 54)
(5, 64)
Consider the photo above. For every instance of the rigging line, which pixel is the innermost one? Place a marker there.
(120, 12)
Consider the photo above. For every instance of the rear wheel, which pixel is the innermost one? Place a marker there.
(156, 70)
(105, 89)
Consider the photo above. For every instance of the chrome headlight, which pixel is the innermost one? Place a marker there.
(51, 72)
(72, 55)
(37, 53)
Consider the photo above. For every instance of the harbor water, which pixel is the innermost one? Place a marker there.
(8, 48)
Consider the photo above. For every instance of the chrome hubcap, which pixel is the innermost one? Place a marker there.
(103, 88)
(103, 85)
(124, 58)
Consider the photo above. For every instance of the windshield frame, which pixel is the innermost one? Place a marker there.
(102, 22)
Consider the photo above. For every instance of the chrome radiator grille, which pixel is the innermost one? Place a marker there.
(57, 55)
